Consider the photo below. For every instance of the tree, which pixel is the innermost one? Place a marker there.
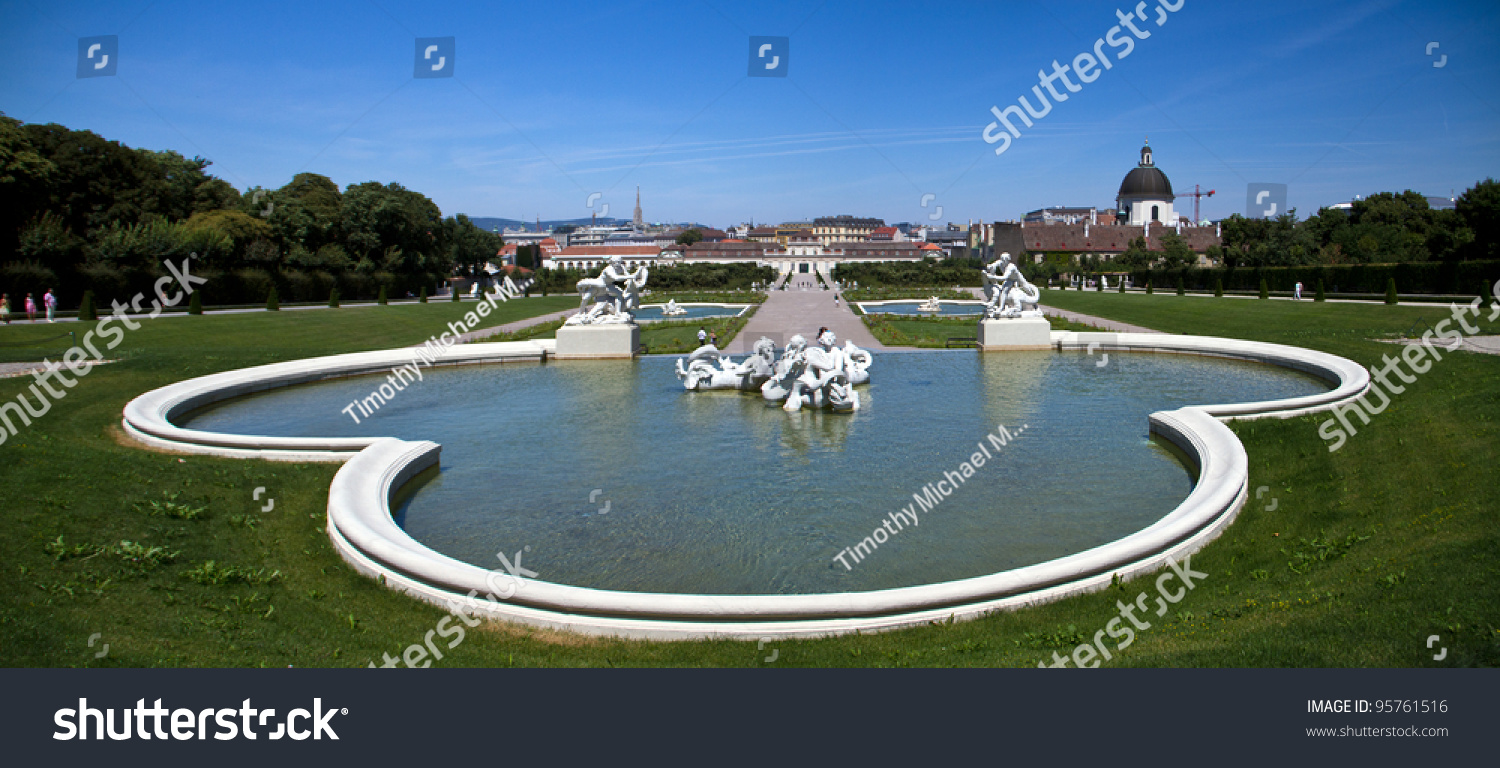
(1479, 209)
(689, 237)
(1181, 290)
(422, 295)
(333, 298)
(195, 304)
(273, 302)
(1219, 288)
(381, 298)
(1136, 255)
(86, 309)
(1319, 295)
(1390, 291)
(1265, 290)
(1176, 254)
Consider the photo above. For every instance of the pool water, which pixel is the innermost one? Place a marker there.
(608, 474)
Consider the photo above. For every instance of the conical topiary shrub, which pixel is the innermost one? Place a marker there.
(86, 310)
(1219, 289)
(1148, 287)
(1121, 289)
(1181, 290)
(1318, 294)
(1265, 290)
(422, 295)
(381, 299)
(453, 296)
(1486, 295)
(195, 305)
(1390, 291)
(333, 298)
(273, 302)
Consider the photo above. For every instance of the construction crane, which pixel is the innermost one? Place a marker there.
(1197, 194)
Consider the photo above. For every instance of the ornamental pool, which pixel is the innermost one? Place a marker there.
(607, 474)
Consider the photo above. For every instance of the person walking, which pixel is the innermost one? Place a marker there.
(835, 301)
(713, 338)
(50, 302)
(1297, 292)
(30, 309)
(5, 307)
(702, 336)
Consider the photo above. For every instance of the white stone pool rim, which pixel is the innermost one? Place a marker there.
(362, 530)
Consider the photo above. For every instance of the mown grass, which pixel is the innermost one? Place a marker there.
(1347, 559)
(934, 332)
(669, 337)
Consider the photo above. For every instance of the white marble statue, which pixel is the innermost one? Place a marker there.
(612, 297)
(672, 309)
(1007, 293)
(933, 304)
(700, 372)
(825, 379)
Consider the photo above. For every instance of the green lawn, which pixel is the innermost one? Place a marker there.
(1366, 552)
(934, 332)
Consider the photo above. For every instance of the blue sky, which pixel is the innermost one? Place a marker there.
(884, 102)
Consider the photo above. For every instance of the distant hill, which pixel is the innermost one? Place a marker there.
(491, 223)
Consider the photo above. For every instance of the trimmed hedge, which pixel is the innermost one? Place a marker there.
(1445, 277)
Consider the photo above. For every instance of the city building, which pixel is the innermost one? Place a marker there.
(1063, 215)
(1145, 194)
(844, 228)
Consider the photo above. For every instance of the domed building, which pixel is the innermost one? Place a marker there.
(1145, 194)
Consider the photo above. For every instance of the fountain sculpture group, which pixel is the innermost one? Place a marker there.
(605, 324)
(822, 376)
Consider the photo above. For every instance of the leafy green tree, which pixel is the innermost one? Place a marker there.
(1479, 209)
(689, 237)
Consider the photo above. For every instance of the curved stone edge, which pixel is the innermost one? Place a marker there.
(361, 527)
(1350, 379)
(148, 418)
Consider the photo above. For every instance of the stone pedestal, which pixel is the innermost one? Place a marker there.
(1015, 333)
(597, 342)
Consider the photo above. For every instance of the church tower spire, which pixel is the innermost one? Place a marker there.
(639, 223)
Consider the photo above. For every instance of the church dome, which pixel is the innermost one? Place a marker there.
(1146, 180)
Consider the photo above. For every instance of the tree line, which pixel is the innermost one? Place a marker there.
(80, 212)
